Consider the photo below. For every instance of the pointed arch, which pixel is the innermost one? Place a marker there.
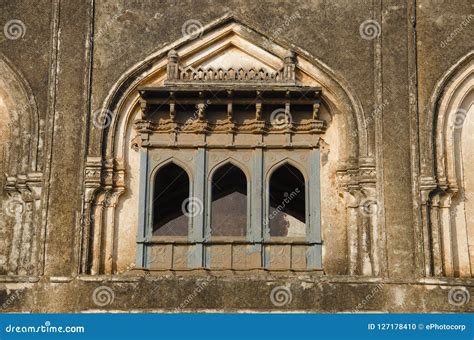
(229, 199)
(170, 201)
(433, 148)
(445, 156)
(348, 136)
(22, 113)
(122, 101)
(21, 163)
(290, 161)
(232, 161)
(287, 200)
(175, 161)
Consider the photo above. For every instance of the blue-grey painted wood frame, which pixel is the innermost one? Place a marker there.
(258, 209)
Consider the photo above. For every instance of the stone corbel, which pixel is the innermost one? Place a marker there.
(136, 143)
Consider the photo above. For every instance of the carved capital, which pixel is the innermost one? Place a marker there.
(446, 199)
(353, 175)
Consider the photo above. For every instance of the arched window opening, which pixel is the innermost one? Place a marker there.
(170, 195)
(229, 202)
(287, 213)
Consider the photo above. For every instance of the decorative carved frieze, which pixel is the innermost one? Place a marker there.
(177, 74)
(272, 107)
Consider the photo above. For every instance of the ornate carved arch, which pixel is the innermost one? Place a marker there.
(448, 246)
(109, 149)
(282, 162)
(229, 160)
(21, 163)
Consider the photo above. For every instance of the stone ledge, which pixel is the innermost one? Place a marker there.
(236, 294)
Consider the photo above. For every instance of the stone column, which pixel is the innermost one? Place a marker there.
(446, 233)
(97, 233)
(436, 236)
(172, 69)
(425, 214)
(92, 181)
(289, 66)
(369, 233)
(352, 200)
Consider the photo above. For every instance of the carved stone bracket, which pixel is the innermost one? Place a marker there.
(276, 102)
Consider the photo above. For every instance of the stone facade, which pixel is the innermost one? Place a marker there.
(375, 100)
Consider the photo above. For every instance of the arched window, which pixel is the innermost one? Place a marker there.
(170, 194)
(229, 202)
(287, 212)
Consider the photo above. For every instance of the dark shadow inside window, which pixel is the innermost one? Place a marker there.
(229, 202)
(287, 216)
(170, 193)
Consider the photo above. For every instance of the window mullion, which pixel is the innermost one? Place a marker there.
(314, 223)
(144, 225)
(196, 251)
(257, 209)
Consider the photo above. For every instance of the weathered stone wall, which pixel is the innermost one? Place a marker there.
(71, 54)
